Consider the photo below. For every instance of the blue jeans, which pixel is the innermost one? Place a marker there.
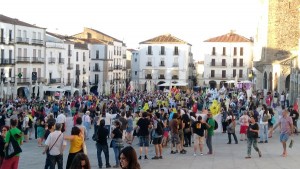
(263, 129)
(103, 148)
(209, 143)
(117, 152)
(56, 159)
(48, 162)
(108, 128)
(87, 126)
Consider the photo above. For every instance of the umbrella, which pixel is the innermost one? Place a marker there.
(1, 89)
(41, 94)
(15, 92)
(36, 89)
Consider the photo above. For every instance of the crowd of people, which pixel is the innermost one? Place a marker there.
(173, 119)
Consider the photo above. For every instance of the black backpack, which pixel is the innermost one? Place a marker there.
(159, 128)
(216, 124)
(30, 122)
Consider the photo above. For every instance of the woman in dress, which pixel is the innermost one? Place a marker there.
(244, 122)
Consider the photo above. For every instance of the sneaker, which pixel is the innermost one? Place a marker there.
(201, 154)
(247, 157)
(182, 152)
(259, 153)
(160, 157)
(155, 158)
(140, 157)
(173, 152)
(146, 157)
(266, 141)
(108, 166)
(195, 154)
(261, 142)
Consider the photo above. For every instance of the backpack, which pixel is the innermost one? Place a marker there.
(30, 122)
(159, 128)
(216, 124)
(13, 147)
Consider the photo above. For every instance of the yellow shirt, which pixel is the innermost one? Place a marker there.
(76, 144)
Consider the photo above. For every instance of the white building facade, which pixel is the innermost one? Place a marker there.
(227, 57)
(162, 60)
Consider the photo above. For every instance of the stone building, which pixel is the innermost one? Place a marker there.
(276, 44)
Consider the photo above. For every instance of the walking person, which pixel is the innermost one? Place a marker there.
(102, 145)
(244, 122)
(286, 129)
(210, 125)
(263, 121)
(157, 133)
(87, 123)
(231, 130)
(55, 144)
(252, 135)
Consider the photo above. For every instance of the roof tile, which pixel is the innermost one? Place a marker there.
(229, 37)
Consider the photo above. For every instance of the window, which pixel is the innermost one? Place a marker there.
(149, 52)
(89, 35)
(240, 73)
(162, 50)
(25, 52)
(83, 57)
(34, 35)
(10, 73)
(2, 55)
(176, 52)
(212, 73)
(97, 54)
(96, 66)
(213, 62)
(213, 52)
(135, 59)
(25, 34)
(224, 51)
(19, 52)
(223, 62)
(19, 33)
(39, 53)
(241, 51)
(241, 63)
(39, 36)
(234, 51)
(233, 72)
(2, 35)
(96, 78)
(162, 62)
(34, 53)
(223, 73)
(10, 55)
(10, 35)
(77, 57)
(234, 62)
(135, 72)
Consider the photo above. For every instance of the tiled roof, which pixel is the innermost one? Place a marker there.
(93, 41)
(105, 35)
(56, 35)
(164, 39)
(81, 46)
(229, 37)
(6, 19)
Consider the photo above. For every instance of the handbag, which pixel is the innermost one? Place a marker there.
(13, 147)
(119, 143)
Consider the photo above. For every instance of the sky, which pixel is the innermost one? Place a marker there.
(134, 21)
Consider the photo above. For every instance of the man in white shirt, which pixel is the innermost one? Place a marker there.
(62, 119)
(56, 144)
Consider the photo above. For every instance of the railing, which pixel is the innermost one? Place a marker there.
(37, 41)
(22, 40)
(176, 53)
(149, 52)
(23, 80)
(7, 61)
(149, 64)
(51, 60)
(83, 71)
(110, 68)
(61, 60)
(148, 77)
(161, 77)
(11, 41)
(23, 59)
(217, 64)
(96, 69)
(54, 80)
(162, 64)
(124, 56)
(69, 52)
(96, 58)
(175, 77)
(38, 60)
(55, 45)
(70, 66)
(220, 76)
(238, 65)
(77, 72)
(175, 65)
(2, 39)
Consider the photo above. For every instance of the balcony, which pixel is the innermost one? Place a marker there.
(162, 64)
(148, 76)
(96, 58)
(110, 69)
(176, 53)
(123, 68)
(70, 66)
(149, 64)
(11, 41)
(218, 64)
(37, 42)
(161, 77)
(83, 71)
(23, 60)
(55, 45)
(96, 69)
(54, 80)
(2, 40)
(124, 56)
(38, 60)
(7, 61)
(175, 77)
(69, 52)
(22, 40)
(149, 52)
(77, 72)
(61, 60)
(175, 64)
(23, 80)
(51, 60)
(239, 65)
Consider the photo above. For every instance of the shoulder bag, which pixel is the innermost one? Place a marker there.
(48, 151)
(13, 147)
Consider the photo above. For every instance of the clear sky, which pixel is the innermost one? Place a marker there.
(134, 21)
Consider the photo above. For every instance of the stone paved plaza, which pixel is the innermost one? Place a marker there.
(225, 156)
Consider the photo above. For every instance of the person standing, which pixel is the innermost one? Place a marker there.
(231, 130)
(56, 145)
(62, 119)
(286, 130)
(252, 135)
(102, 145)
(15, 133)
(263, 121)
(143, 126)
(244, 122)
(198, 130)
(87, 123)
(210, 124)
(116, 142)
(157, 133)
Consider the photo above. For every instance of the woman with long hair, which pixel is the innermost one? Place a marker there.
(117, 141)
(81, 161)
(128, 158)
(4, 130)
(76, 145)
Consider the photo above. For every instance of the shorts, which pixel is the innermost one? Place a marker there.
(25, 131)
(243, 129)
(157, 140)
(198, 139)
(181, 136)
(144, 141)
(284, 137)
(166, 134)
(175, 139)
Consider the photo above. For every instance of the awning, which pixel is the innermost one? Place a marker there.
(174, 84)
(53, 89)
